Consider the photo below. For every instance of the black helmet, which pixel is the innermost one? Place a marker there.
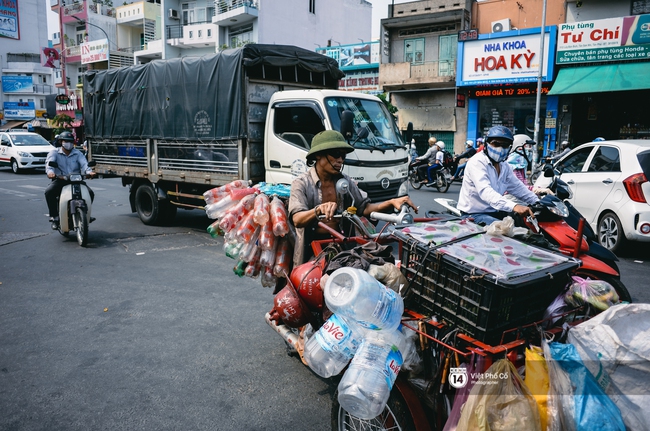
(66, 136)
(500, 132)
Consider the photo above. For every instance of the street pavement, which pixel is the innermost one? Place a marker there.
(148, 328)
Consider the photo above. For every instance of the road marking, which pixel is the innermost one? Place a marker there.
(16, 193)
(33, 187)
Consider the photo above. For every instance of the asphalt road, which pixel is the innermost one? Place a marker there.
(148, 328)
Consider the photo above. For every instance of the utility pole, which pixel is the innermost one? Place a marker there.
(540, 72)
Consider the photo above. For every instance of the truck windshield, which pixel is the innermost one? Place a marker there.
(370, 115)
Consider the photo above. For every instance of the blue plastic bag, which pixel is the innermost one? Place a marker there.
(592, 408)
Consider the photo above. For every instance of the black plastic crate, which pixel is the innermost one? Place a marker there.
(473, 300)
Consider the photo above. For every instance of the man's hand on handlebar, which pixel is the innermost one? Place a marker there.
(51, 175)
(404, 200)
(523, 211)
(327, 210)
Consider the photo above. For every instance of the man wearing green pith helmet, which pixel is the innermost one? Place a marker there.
(313, 194)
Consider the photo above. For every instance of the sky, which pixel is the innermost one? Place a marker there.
(379, 12)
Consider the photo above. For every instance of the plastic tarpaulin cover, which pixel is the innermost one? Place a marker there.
(501, 256)
(441, 232)
(188, 98)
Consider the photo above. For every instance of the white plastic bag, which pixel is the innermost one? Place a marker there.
(615, 347)
(505, 227)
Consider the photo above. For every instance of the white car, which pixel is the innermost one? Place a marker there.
(23, 150)
(609, 181)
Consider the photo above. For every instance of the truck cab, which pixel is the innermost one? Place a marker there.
(379, 163)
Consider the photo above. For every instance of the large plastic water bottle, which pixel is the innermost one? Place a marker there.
(330, 349)
(355, 294)
(365, 387)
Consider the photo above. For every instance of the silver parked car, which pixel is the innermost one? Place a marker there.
(609, 180)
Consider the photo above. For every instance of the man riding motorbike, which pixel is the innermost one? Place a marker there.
(429, 157)
(69, 160)
(488, 177)
(469, 152)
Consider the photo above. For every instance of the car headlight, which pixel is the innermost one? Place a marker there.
(24, 154)
(75, 177)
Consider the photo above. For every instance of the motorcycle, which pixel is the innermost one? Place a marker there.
(441, 182)
(561, 224)
(75, 206)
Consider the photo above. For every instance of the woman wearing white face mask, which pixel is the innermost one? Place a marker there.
(69, 161)
(488, 177)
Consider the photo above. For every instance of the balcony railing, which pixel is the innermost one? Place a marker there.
(430, 73)
(226, 6)
(176, 31)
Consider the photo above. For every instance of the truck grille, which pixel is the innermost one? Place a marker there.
(379, 194)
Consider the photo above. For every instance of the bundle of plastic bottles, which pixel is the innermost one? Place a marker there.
(364, 331)
(254, 226)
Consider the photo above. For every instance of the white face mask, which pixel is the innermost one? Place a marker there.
(68, 145)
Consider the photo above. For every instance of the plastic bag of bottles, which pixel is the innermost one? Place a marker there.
(254, 267)
(279, 217)
(267, 239)
(218, 193)
(236, 213)
(268, 279)
(261, 209)
(283, 258)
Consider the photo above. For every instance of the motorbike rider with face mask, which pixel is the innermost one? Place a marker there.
(487, 179)
(69, 161)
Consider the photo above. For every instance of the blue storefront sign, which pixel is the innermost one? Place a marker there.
(17, 84)
(19, 110)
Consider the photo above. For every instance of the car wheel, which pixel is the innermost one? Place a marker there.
(14, 167)
(610, 232)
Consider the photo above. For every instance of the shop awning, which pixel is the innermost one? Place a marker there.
(17, 124)
(595, 79)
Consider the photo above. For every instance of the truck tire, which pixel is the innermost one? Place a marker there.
(147, 205)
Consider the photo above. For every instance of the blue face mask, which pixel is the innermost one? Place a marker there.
(498, 154)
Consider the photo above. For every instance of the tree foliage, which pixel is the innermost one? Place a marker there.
(62, 123)
(391, 108)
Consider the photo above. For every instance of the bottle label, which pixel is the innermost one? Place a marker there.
(382, 311)
(394, 363)
(336, 336)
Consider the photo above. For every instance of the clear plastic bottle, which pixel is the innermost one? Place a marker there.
(330, 349)
(365, 387)
(355, 294)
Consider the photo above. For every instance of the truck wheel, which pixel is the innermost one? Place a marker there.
(396, 416)
(147, 205)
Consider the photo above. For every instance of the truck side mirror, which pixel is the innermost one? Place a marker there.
(409, 133)
(347, 124)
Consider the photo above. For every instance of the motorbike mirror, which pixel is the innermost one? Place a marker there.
(347, 124)
(342, 186)
(92, 163)
(362, 133)
(549, 171)
(53, 164)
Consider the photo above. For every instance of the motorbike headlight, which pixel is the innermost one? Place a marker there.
(75, 177)
(24, 154)
(558, 208)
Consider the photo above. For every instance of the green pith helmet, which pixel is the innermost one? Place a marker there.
(328, 140)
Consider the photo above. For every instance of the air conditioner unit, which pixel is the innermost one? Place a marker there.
(501, 25)
(173, 14)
